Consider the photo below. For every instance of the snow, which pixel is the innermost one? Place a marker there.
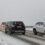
(8, 40)
(29, 29)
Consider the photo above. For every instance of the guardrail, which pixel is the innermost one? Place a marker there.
(29, 26)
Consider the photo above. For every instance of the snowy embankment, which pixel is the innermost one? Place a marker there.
(29, 29)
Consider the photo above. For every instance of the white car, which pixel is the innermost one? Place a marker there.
(39, 27)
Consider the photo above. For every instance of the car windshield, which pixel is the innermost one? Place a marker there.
(39, 23)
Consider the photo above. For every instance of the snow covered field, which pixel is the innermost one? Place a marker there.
(7, 40)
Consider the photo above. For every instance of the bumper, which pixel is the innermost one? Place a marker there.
(18, 31)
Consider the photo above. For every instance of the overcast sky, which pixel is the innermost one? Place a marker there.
(28, 11)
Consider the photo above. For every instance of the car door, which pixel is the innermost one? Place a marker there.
(40, 27)
(43, 28)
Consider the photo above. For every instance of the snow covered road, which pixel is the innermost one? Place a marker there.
(8, 40)
(28, 39)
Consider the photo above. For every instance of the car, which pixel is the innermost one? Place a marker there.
(14, 27)
(39, 27)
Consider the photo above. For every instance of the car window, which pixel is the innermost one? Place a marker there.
(40, 23)
(19, 23)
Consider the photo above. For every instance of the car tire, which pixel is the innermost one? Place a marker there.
(23, 33)
(12, 32)
(34, 31)
(7, 31)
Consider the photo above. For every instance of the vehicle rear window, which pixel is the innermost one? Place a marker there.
(19, 23)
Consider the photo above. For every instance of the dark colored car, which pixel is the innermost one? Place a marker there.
(14, 27)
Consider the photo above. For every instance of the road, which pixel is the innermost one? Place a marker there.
(8, 40)
(18, 39)
(31, 38)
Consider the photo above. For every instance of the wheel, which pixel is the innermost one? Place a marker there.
(7, 31)
(23, 33)
(12, 32)
(34, 31)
